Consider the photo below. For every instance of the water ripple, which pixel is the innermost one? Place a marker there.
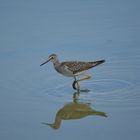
(104, 90)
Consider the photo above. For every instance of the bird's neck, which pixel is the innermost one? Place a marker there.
(57, 66)
(56, 62)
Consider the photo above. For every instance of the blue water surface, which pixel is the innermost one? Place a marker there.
(37, 102)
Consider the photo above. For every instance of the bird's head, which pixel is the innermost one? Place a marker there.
(52, 58)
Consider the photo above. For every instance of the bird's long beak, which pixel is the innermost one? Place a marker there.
(46, 62)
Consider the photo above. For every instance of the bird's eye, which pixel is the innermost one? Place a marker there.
(52, 57)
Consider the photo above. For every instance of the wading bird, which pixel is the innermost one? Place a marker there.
(72, 68)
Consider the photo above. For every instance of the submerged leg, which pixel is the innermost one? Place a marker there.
(76, 96)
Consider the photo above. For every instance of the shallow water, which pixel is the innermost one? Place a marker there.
(38, 103)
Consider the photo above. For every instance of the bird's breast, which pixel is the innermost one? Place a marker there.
(63, 70)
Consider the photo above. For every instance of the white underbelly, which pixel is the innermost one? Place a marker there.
(66, 72)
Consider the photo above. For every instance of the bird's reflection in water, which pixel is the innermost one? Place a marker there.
(74, 110)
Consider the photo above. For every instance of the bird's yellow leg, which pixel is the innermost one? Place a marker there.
(76, 84)
(84, 78)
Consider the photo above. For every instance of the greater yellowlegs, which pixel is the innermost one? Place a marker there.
(72, 68)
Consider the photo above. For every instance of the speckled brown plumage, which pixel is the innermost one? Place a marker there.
(79, 66)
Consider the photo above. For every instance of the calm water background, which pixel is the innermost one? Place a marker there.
(31, 96)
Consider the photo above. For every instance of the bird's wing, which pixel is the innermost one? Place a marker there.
(76, 66)
(80, 66)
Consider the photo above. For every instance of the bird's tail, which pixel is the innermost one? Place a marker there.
(95, 63)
